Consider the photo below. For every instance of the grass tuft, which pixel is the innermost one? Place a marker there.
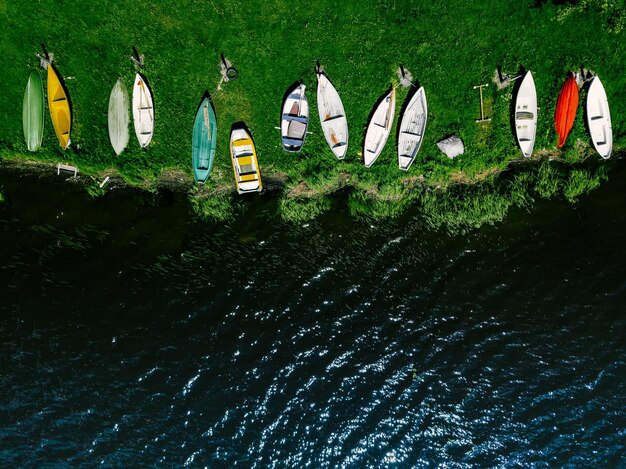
(548, 180)
(583, 181)
(458, 213)
(217, 206)
(301, 210)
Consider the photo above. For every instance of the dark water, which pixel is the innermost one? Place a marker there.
(132, 335)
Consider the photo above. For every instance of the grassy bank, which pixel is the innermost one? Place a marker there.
(449, 46)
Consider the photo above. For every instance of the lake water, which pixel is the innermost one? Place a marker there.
(133, 335)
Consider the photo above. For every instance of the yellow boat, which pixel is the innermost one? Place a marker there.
(59, 106)
(245, 164)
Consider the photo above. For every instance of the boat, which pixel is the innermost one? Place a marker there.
(60, 109)
(143, 111)
(526, 115)
(203, 140)
(379, 127)
(332, 116)
(118, 117)
(294, 119)
(245, 163)
(32, 112)
(412, 127)
(599, 118)
(566, 108)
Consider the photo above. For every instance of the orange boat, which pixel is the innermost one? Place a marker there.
(566, 108)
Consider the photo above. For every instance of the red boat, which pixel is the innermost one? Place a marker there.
(566, 108)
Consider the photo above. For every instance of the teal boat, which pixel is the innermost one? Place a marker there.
(203, 141)
(32, 112)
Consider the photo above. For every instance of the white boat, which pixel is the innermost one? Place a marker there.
(599, 118)
(379, 127)
(412, 127)
(332, 116)
(118, 117)
(143, 111)
(526, 115)
(294, 119)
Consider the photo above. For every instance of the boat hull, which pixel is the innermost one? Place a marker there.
(118, 117)
(566, 108)
(244, 160)
(203, 141)
(412, 128)
(332, 116)
(379, 128)
(143, 111)
(294, 119)
(60, 109)
(32, 112)
(526, 115)
(599, 119)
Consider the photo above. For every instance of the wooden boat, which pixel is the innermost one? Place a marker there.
(143, 111)
(60, 109)
(379, 127)
(32, 112)
(332, 116)
(203, 140)
(118, 117)
(599, 118)
(566, 108)
(412, 127)
(295, 119)
(245, 164)
(526, 115)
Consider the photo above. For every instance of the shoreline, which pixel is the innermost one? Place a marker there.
(302, 201)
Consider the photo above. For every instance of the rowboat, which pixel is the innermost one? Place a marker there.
(295, 119)
(203, 140)
(412, 127)
(379, 127)
(332, 116)
(60, 109)
(143, 111)
(118, 117)
(599, 118)
(566, 108)
(32, 112)
(245, 164)
(526, 115)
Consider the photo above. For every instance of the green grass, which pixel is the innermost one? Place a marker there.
(448, 45)
(459, 209)
(208, 204)
(457, 213)
(583, 181)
